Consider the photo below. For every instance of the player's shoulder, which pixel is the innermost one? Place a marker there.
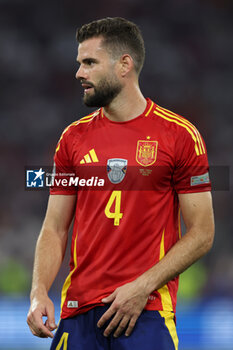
(184, 132)
(174, 121)
(81, 124)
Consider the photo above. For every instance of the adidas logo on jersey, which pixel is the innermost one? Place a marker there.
(90, 157)
(72, 304)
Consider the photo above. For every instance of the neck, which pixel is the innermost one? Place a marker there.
(129, 104)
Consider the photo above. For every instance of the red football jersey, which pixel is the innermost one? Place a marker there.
(128, 217)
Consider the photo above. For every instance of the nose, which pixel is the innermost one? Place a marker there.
(80, 74)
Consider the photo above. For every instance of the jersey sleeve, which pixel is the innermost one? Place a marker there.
(191, 173)
(63, 170)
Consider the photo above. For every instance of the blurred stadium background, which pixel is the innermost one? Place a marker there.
(188, 69)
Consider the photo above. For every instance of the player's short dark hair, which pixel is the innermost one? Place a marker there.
(120, 36)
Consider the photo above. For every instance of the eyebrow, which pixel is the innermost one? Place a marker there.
(88, 59)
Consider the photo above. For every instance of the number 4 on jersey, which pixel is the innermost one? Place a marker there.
(116, 214)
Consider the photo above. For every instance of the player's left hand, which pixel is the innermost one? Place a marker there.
(128, 302)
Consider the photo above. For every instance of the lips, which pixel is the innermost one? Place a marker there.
(87, 86)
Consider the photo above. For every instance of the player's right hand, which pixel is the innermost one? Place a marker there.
(41, 306)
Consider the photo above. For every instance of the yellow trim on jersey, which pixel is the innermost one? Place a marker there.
(164, 291)
(186, 122)
(87, 116)
(184, 126)
(67, 282)
(101, 113)
(148, 112)
(93, 114)
(172, 114)
(202, 145)
(66, 129)
(86, 119)
(170, 324)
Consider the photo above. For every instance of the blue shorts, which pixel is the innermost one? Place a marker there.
(154, 330)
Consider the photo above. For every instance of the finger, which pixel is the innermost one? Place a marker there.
(113, 324)
(48, 326)
(51, 319)
(32, 330)
(31, 324)
(37, 332)
(123, 324)
(36, 323)
(110, 298)
(106, 316)
(42, 331)
(131, 325)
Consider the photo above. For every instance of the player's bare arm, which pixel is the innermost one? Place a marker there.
(129, 300)
(50, 250)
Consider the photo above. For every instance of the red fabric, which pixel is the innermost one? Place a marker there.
(111, 255)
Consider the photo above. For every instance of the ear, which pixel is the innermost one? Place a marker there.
(126, 64)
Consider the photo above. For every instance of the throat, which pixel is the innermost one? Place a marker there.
(125, 111)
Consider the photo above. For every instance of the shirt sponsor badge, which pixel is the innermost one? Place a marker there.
(146, 153)
(201, 179)
(116, 169)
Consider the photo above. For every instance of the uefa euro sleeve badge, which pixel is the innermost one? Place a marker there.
(146, 153)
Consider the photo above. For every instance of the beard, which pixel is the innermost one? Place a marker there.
(104, 93)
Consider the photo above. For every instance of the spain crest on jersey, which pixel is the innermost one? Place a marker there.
(146, 152)
(116, 169)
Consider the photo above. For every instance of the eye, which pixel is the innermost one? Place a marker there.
(90, 62)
